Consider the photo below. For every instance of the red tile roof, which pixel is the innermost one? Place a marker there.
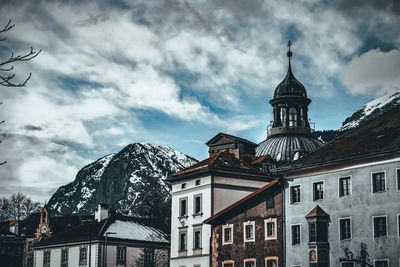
(317, 212)
(221, 160)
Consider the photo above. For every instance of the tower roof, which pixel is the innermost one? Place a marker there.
(290, 86)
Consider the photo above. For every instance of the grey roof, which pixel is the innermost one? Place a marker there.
(283, 148)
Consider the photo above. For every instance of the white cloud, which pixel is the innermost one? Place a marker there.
(373, 73)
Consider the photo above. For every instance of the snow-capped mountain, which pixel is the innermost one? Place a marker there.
(371, 110)
(132, 179)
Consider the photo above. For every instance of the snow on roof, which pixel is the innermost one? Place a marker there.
(136, 231)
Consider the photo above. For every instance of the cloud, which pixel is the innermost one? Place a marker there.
(35, 167)
(373, 73)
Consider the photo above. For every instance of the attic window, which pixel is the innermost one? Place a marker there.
(183, 186)
(197, 182)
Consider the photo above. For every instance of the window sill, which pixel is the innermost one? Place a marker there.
(295, 203)
(345, 240)
(271, 238)
(379, 192)
(296, 245)
(227, 243)
(197, 214)
(318, 200)
(183, 217)
(249, 240)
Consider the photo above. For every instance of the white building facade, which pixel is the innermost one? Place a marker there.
(201, 191)
(107, 241)
(342, 201)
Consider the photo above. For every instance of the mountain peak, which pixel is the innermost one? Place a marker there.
(132, 179)
(371, 110)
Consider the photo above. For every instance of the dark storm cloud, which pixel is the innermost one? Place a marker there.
(33, 128)
(391, 6)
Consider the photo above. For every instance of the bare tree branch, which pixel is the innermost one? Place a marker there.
(6, 65)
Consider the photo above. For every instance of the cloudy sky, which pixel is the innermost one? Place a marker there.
(175, 73)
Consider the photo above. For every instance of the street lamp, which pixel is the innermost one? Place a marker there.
(105, 248)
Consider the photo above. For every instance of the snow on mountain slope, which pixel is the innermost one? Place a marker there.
(371, 110)
(132, 179)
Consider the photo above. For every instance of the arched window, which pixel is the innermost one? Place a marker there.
(292, 117)
(283, 116)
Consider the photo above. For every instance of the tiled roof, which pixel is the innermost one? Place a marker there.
(126, 227)
(221, 160)
(242, 202)
(317, 212)
(378, 135)
(228, 136)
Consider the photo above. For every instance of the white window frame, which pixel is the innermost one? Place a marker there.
(197, 229)
(351, 185)
(397, 180)
(290, 194)
(373, 226)
(274, 221)
(269, 258)
(351, 228)
(253, 223)
(227, 226)
(291, 235)
(372, 182)
(228, 262)
(180, 207)
(250, 260)
(387, 260)
(323, 190)
(194, 204)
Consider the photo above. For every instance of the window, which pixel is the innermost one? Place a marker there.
(398, 225)
(345, 228)
(318, 232)
(183, 186)
(197, 182)
(249, 231)
(344, 186)
(121, 255)
(292, 117)
(64, 257)
(227, 234)
(30, 243)
(378, 182)
(229, 263)
(149, 257)
(318, 191)
(46, 258)
(197, 239)
(295, 194)
(271, 261)
(249, 263)
(381, 263)
(270, 203)
(380, 229)
(82, 255)
(183, 207)
(182, 240)
(270, 229)
(296, 234)
(398, 179)
(197, 205)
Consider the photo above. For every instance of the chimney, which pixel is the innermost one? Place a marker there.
(14, 227)
(101, 212)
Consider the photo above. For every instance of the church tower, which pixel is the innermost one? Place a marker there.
(290, 135)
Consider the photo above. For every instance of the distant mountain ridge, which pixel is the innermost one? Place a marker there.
(367, 112)
(130, 180)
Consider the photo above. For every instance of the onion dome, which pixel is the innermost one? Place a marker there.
(289, 135)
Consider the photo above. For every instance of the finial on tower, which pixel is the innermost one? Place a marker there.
(289, 53)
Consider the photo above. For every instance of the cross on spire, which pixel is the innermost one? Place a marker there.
(289, 53)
